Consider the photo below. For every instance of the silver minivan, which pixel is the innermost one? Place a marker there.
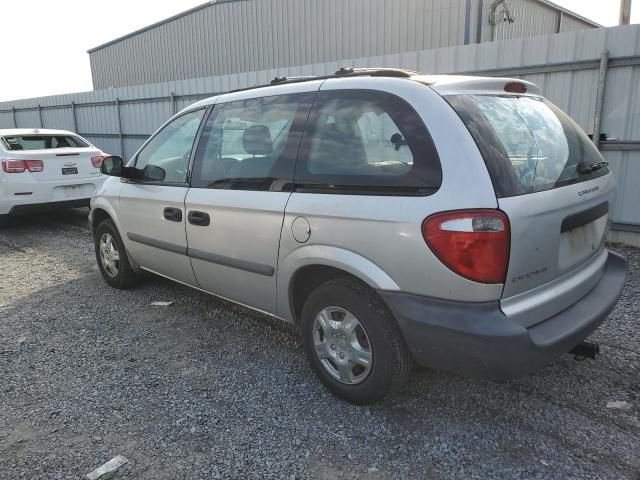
(457, 222)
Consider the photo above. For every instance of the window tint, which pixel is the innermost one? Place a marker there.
(251, 144)
(528, 144)
(170, 148)
(367, 141)
(42, 142)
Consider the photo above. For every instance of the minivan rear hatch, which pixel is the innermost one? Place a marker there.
(554, 186)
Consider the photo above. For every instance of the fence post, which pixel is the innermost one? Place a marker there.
(73, 114)
(172, 98)
(120, 136)
(15, 120)
(602, 78)
(40, 116)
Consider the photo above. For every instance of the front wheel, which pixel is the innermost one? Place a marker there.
(112, 257)
(352, 342)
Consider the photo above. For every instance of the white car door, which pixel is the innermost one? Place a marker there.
(152, 213)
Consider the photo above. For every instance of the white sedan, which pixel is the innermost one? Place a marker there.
(44, 169)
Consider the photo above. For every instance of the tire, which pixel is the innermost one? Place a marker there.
(4, 221)
(123, 276)
(390, 361)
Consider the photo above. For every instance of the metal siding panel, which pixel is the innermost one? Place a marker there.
(620, 101)
(27, 119)
(455, 15)
(58, 118)
(573, 24)
(97, 119)
(315, 39)
(6, 120)
(623, 41)
(144, 118)
(565, 48)
(466, 60)
(626, 169)
(589, 43)
(531, 19)
(632, 131)
(536, 50)
(582, 98)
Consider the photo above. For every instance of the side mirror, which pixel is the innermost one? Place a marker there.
(112, 166)
(153, 173)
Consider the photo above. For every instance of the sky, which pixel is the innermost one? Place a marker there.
(44, 43)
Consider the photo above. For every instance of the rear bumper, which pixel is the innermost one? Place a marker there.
(25, 194)
(478, 339)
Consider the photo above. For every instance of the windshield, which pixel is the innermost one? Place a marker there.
(528, 144)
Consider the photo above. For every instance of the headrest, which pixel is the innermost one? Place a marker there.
(256, 140)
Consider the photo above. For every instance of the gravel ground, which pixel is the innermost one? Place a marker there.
(205, 389)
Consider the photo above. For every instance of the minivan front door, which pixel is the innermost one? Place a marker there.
(152, 210)
(241, 182)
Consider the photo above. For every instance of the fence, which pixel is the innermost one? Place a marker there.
(592, 74)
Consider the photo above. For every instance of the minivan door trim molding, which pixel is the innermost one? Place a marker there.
(152, 242)
(236, 263)
(245, 265)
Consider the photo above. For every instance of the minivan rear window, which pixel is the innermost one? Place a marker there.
(42, 142)
(528, 144)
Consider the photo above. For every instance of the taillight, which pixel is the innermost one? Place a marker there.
(19, 166)
(13, 166)
(97, 161)
(34, 165)
(472, 243)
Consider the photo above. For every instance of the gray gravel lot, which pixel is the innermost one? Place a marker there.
(205, 389)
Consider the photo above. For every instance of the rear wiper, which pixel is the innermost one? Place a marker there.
(585, 168)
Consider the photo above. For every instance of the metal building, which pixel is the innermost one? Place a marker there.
(232, 36)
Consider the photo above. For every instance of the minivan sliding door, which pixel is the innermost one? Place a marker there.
(241, 182)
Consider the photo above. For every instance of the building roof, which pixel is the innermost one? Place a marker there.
(219, 2)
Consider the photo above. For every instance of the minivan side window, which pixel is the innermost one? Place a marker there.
(366, 142)
(170, 148)
(251, 144)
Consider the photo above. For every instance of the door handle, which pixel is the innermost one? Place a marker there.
(201, 219)
(173, 214)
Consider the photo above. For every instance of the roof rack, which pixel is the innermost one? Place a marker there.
(344, 72)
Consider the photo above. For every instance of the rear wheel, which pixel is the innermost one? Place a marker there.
(112, 257)
(352, 342)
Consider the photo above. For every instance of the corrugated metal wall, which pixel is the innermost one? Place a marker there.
(540, 20)
(531, 18)
(248, 35)
(565, 66)
(571, 24)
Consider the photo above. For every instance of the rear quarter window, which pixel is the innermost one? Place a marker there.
(528, 144)
(366, 142)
